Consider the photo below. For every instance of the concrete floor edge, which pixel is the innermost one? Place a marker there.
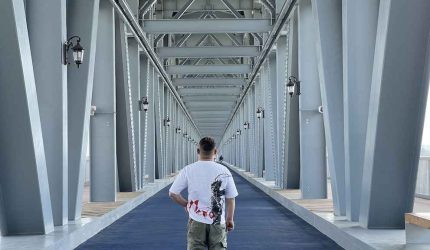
(72, 235)
(329, 229)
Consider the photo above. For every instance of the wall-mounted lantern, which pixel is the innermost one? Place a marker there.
(246, 125)
(167, 122)
(185, 135)
(143, 104)
(178, 130)
(238, 132)
(77, 49)
(293, 86)
(260, 112)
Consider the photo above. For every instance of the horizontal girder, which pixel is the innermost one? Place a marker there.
(209, 69)
(206, 26)
(208, 52)
(208, 81)
(213, 91)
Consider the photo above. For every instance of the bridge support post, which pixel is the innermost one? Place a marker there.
(23, 170)
(359, 20)
(396, 113)
(103, 122)
(313, 170)
(82, 20)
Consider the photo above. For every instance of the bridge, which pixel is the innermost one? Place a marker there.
(317, 107)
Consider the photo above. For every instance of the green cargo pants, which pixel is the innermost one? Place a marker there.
(202, 236)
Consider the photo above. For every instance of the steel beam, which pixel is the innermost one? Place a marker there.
(46, 26)
(292, 119)
(396, 113)
(103, 165)
(328, 27)
(202, 98)
(213, 91)
(208, 52)
(208, 81)
(313, 169)
(205, 26)
(360, 20)
(209, 69)
(25, 204)
(129, 19)
(124, 106)
(272, 37)
(83, 20)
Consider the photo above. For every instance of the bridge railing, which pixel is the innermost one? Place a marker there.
(423, 178)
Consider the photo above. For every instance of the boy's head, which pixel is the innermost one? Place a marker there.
(207, 148)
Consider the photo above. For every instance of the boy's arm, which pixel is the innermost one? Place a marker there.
(178, 199)
(231, 205)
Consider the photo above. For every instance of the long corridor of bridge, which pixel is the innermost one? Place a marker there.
(261, 223)
(319, 107)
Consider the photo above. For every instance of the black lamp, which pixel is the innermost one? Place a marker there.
(78, 51)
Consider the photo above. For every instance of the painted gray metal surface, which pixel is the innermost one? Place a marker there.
(292, 122)
(47, 30)
(103, 183)
(23, 169)
(208, 52)
(125, 134)
(359, 34)
(394, 132)
(204, 26)
(313, 173)
(209, 69)
(82, 20)
(208, 81)
(328, 25)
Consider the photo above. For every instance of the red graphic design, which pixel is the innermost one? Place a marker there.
(200, 211)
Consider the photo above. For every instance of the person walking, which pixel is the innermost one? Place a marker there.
(210, 187)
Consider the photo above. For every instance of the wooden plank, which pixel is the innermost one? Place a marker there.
(418, 219)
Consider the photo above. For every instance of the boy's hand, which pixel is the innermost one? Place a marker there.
(229, 225)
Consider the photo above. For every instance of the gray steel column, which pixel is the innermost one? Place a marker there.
(147, 123)
(124, 107)
(292, 122)
(398, 97)
(359, 21)
(158, 128)
(103, 123)
(82, 20)
(134, 66)
(328, 24)
(254, 135)
(313, 174)
(47, 30)
(270, 141)
(259, 99)
(25, 203)
(280, 102)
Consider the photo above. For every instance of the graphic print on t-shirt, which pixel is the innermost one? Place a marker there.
(217, 203)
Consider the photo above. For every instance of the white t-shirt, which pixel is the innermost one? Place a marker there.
(208, 183)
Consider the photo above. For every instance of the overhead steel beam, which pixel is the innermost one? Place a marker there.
(209, 69)
(208, 81)
(212, 91)
(208, 52)
(210, 112)
(126, 14)
(204, 26)
(209, 98)
(271, 40)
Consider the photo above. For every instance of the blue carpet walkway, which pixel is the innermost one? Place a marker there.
(261, 223)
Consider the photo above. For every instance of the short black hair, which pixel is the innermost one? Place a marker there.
(207, 145)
